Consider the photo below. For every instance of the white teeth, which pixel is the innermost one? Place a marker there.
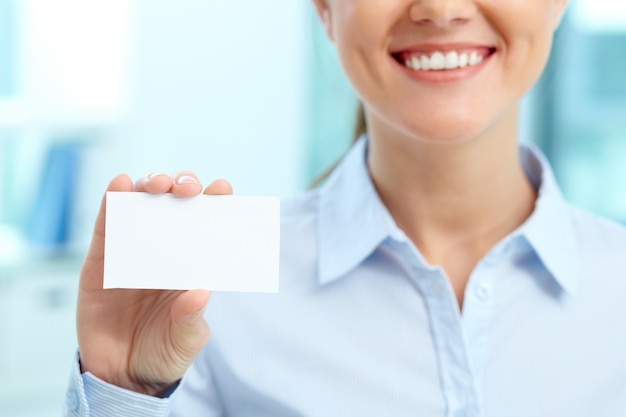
(438, 61)
(452, 60)
(463, 60)
(416, 63)
(473, 58)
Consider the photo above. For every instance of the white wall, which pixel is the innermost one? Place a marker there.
(217, 87)
(599, 15)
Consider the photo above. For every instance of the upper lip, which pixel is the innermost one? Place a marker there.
(441, 47)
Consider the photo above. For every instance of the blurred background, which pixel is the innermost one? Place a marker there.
(243, 90)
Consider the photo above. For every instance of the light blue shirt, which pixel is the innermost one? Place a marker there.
(363, 326)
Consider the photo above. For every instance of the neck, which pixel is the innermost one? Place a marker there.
(454, 200)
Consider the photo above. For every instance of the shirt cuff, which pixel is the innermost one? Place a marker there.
(89, 396)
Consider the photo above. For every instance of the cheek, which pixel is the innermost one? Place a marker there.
(533, 57)
(361, 29)
(356, 25)
(526, 35)
(520, 22)
(356, 59)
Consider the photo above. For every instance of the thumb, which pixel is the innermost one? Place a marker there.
(189, 330)
(91, 275)
(189, 305)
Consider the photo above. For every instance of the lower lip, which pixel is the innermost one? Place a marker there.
(444, 76)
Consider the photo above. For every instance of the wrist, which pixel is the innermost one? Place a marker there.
(153, 389)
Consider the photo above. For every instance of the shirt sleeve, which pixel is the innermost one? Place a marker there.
(89, 396)
(198, 394)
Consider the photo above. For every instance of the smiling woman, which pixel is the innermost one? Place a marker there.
(513, 39)
(475, 107)
(438, 271)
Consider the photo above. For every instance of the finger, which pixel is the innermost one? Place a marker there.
(186, 184)
(219, 187)
(91, 274)
(154, 184)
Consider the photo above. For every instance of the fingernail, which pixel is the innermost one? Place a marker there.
(156, 174)
(186, 179)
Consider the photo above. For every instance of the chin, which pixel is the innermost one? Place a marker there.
(446, 126)
(446, 132)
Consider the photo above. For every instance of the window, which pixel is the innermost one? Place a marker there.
(580, 107)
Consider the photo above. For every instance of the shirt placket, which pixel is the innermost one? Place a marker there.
(456, 375)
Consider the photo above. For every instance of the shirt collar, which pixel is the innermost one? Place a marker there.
(353, 221)
(550, 229)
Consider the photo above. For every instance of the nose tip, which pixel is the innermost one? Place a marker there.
(441, 13)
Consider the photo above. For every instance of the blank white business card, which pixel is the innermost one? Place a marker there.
(219, 243)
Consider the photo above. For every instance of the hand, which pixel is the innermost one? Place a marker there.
(141, 340)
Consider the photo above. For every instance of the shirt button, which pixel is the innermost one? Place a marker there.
(483, 292)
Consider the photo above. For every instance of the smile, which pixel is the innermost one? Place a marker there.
(443, 60)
